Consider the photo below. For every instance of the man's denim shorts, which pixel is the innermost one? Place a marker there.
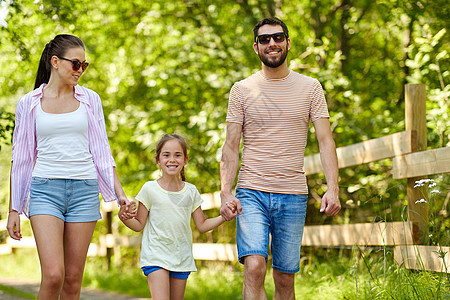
(281, 215)
(71, 200)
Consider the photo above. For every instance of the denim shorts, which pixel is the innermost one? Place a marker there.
(180, 275)
(280, 215)
(71, 200)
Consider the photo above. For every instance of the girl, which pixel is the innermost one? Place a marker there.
(61, 158)
(165, 209)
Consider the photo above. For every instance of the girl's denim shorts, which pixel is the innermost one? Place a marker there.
(71, 200)
(179, 275)
(282, 216)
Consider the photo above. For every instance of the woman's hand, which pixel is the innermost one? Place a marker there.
(127, 210)
(13, 225)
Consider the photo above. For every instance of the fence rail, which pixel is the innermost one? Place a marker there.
(365, 152)
(423, 163)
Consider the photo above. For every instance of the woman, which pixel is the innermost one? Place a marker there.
(61, 158)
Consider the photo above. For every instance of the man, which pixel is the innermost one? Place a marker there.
(271, 110)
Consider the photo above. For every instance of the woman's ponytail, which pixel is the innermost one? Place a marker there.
(44, 70)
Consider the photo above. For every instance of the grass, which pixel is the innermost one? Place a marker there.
(325, 274)
(15, 292)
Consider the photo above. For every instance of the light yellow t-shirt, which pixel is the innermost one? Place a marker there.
(167, 235)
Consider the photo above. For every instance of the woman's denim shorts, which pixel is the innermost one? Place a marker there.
(71, 200)
(280, 215)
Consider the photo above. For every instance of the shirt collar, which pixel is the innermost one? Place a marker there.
(80, 95)
(36, 95)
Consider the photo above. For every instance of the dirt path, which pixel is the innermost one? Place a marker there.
(32, 287)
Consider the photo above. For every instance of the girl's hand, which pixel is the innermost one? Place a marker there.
(13, 225)
(127, 210)
(231, 205)
(132, 209)
(123, 211)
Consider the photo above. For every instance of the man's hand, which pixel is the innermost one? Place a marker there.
(13, 225)
(230, 207)
(330, 203)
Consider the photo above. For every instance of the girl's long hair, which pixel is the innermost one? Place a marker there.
(56, 47)
(165, 139)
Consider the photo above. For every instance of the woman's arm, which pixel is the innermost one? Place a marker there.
(203, 224)
(120, 194)
(13, 224)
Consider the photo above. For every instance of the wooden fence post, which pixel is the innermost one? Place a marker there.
(415, 119)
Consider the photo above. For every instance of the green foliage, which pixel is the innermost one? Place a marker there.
(324, 274)
(15, 292)
(439, 223)
(6, 127)
(127, 280)
(365, 274)
(23, 263)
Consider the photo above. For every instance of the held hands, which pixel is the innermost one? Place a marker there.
(127, 210)
(330, 203)
(13, 225)
(231, 206)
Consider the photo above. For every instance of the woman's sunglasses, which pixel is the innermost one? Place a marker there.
(264, 39)
(76, 64)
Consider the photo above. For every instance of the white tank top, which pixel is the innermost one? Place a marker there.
(63, 145)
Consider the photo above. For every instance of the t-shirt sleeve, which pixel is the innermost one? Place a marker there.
(318, 105)
(235, 113)
(197, 200)
(144, 196)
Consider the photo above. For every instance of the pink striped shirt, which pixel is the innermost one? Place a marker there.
(275, 116)
(24, 146)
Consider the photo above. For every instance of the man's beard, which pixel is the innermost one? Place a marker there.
(266, 60)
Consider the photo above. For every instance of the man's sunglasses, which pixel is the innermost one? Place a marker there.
(76, 64)
(264, 39)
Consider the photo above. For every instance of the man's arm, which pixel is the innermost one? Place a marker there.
(330, 200)
(228, 169)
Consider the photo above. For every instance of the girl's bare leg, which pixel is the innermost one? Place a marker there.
(177, 288)
(159, 284)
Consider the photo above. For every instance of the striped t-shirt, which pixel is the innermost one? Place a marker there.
(275, 115)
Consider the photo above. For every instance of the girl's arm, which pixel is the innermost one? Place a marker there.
(203, 224)
(138, 222)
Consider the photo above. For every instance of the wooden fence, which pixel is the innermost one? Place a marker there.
(410, 161)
